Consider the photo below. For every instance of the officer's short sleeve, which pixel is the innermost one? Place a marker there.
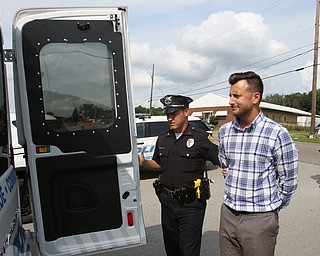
(156, 153)
(210, 149)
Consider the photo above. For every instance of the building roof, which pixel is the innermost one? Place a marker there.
(265, 105)
(210, 100)
(215, 100)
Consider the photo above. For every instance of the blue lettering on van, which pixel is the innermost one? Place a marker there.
(11, 181)
(3, 198)
(7, 186)
(147, 149)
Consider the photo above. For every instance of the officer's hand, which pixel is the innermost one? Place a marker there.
(141, 157)
(224, 172)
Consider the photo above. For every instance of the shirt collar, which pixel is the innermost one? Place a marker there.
(252, 126)
(186, 132)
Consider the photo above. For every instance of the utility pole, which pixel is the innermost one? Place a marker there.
(152, 78)
(315, 71)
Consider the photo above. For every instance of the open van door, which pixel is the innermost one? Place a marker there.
(12, 234)
(75, 120)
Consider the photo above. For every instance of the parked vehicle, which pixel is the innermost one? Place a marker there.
(12, 234)
(73, 103)
(150, 127)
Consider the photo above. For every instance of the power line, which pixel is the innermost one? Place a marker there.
(287, 72)
(255, 63)
(284, 60)
(265, 10)
(216, 37)
(227, 87)
(297, 55)
(229, 31)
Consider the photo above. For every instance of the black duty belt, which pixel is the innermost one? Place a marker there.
(173, 194)
(182, 195)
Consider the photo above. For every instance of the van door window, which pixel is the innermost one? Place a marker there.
(77, 86)
(155, 129)
(151, 129)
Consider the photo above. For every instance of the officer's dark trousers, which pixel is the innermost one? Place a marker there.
(181, 226)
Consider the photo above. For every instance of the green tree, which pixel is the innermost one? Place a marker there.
(302, 101)
(142, 110)
(214, 120)
(154, 111)
(157, 111)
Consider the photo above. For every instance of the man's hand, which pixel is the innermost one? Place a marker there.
(141, 158)
(224, 172)
(148, 164)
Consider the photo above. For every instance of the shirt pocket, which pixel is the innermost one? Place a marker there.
(189, 160)
(163, 156)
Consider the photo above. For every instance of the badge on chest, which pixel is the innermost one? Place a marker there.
(190, 142)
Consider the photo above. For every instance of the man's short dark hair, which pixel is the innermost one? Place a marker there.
(254, 80)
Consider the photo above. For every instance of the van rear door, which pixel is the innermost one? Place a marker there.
(75, 119)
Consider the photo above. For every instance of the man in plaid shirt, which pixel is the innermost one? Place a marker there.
(260, 164)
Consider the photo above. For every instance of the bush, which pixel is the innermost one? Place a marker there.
(213, 120)
(297, 128)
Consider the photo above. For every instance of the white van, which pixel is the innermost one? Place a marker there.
(73, 101)
(150, 127)
(12, 234)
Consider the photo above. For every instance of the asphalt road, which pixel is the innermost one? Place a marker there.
(299, 223)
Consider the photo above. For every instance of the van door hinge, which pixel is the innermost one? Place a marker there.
(8, 55)
(116, 22)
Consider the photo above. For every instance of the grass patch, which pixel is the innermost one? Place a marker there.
(304, 137)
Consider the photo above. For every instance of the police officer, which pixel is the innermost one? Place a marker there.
(180, 155)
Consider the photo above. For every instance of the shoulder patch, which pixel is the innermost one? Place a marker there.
(211, 139)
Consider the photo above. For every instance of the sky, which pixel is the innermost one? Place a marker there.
(195, 45)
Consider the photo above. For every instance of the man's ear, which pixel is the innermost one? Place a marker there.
(256, 97)
(186, 112)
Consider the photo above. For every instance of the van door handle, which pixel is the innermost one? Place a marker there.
(140, 143)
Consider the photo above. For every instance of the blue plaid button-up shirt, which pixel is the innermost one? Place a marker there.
(262, 165)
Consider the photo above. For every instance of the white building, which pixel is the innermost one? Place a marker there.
(218, 105)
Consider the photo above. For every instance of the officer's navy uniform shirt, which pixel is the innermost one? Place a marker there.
(182, 160)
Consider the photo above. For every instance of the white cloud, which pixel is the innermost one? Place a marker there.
(224, 42)
(198, 43)
(307, 77)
